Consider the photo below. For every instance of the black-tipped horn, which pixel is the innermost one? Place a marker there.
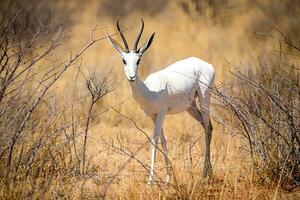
(138, 37)
(123, 37)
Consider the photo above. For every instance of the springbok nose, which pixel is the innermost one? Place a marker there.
(132, 78)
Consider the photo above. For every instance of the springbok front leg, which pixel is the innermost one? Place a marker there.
(157, 134)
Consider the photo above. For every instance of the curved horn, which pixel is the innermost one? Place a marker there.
(138, 37)
(123, 38)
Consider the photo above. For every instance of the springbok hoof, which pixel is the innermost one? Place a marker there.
(168, 178)
(150, 182)
(207, 172)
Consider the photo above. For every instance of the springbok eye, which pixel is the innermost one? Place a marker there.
(138, 62)
(124, 62)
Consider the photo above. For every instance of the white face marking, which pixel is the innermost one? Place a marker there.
(131, 61)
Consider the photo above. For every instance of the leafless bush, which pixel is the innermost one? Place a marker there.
(98, 86)
(266, 106)
(37, 139)
(26, 148)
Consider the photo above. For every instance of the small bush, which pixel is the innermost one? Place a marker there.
(266, 104)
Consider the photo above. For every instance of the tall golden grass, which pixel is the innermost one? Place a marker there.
(47, 158)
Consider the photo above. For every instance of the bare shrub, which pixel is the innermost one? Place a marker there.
(29, 147)
(37, 138)
(266, 105)
(98, 86)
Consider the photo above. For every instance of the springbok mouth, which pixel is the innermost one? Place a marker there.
(131, 79)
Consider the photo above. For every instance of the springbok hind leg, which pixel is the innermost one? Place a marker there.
(196, 114)
(205, 103)
(202, 119)
(207, 169)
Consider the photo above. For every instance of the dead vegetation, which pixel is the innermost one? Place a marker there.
(90, 141)
(265, 104)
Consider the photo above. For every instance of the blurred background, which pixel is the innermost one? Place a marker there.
(248, 35)
(219, 32)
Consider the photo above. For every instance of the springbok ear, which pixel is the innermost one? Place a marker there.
(147, 44)
(115, 44)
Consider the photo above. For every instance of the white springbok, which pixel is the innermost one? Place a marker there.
(171, 90)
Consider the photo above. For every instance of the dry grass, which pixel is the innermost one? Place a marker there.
(47, 160)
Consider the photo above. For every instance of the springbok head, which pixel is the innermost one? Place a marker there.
(131, 59)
